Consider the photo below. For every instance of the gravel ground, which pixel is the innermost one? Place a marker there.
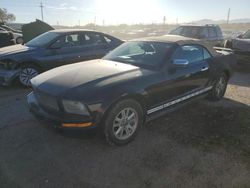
(201, 145)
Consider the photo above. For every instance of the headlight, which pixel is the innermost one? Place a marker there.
(3, 65)
(75, 107)
(11, 64)
(7, 64)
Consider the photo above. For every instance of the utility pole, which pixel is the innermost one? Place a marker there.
(228, 15)
(164, 20)
(94, 22)
(41, 6)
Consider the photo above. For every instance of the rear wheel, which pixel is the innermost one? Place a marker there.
(28, 72)
(123, 122)
(19, 40)
(219, 88)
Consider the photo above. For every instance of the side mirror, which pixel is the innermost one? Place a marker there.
(181, 62)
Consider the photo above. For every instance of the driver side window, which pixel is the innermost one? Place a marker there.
(192, 53)
(136, 50)
(246, 35)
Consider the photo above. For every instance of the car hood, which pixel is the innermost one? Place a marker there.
(14, 49)
(85, 76)
(17, 34)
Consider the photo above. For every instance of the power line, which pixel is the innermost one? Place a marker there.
(10, 4)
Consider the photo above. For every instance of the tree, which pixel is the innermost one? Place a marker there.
(5, 16)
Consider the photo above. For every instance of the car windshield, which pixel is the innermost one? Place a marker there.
(246, 35)
(189, 31)
(42, 39)
(147, 54)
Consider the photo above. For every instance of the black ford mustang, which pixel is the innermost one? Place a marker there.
(136, 82)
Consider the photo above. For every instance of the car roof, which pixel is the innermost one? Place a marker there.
(180, 40)
(71, 30)
(169, 39)
(199, 25)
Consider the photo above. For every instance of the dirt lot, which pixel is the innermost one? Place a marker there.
(202, 145)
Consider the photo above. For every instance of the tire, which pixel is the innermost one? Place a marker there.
(19, 40)
(123, 122)
(27, 72)
(219, 88)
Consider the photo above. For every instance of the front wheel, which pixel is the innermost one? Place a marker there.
(219, 88)
(28, 72)
(123, 122)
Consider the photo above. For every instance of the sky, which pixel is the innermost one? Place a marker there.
(110, 12)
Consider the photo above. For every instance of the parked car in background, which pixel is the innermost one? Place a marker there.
(241, 47)
(10, 29)
(16, 33)
(241, 42)
(52, 49)
(138, 81)
(209, 33)
(6, 38)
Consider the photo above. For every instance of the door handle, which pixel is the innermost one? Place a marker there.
(204, 69)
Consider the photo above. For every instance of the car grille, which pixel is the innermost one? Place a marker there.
(47, 101)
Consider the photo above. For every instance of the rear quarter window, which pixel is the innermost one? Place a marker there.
(219, 32)
(212, 32)
(95, 39)
(107, 39)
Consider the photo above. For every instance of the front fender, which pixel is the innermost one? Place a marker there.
(124, 93)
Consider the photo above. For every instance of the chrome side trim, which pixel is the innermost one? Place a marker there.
(161, 107)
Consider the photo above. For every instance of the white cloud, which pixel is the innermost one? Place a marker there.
(64, 6)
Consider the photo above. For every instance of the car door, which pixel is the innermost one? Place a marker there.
(69, 48)
(180, 80)
(73, 48)
(98, 44)
(195, 74)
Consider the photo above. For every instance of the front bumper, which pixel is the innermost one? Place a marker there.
(58, 121)
(7, 76)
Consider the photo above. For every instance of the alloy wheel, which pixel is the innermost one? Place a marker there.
(125, 123)
(19, 40)
(26, 75)
(220, 86)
